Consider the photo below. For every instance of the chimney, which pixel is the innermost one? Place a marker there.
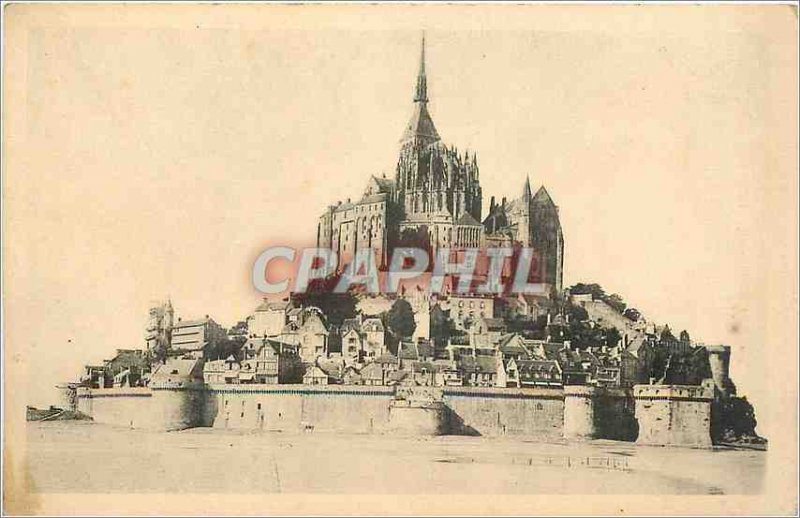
(491, 204)
(504, 201)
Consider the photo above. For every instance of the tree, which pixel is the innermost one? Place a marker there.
(667, 338)
(400, 319)
(335, 306)
(615, 301)
(577, 313)
(734, 420)
(632, 314)
(612, 336)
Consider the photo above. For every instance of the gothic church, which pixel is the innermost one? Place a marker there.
(436, 195)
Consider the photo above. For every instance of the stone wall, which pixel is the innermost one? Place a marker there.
(145, 408)
(673, 415)
(664, 415)
(535, 413)
(599, 413)
(342, 408)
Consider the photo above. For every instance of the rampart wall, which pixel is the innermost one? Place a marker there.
(673, 415)
(534, 412)
(146, 408)
(664, 415)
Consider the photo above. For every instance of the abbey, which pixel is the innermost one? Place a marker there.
(436, 197)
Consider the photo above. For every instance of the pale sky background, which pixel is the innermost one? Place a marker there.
(155, 157)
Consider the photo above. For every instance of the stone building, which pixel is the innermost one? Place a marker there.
(158, 332)
(194, 337)
(532, 221)
(268, 319)
(435, 201)
(307, 328)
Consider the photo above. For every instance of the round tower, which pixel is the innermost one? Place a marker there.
(579, 412)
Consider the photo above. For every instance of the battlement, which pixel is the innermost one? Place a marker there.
(673, 392)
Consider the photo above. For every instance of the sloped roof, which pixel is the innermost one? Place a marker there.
(408, 351)
(636, 345)
(552, 350)
(372, 324)
(508, 345)
(425, 349)
(530, 369)
(542, 196)
(466, 220)
(315, 372)
(348, 324)
(384, 184)
(267, 305)
(386, 358)
(372, 370)
(397, 375)
(495, 323)
(184, 368)
(421, 125)
(487, 364)
(332, 367)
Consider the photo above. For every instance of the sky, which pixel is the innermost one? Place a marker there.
(155, 154)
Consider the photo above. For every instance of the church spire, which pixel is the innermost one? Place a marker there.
(420, 128)
(421, 94)
(526, 192)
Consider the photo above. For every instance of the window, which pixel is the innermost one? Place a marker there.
(258, 406)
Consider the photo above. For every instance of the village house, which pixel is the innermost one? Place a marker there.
(513, 345)
(306, 328)
(418, 350)
(447, 373)
(485, 332)
(334, 367)
(352, 346)
(352, 376)
(362, 339)
(478, 371)
(527, 306)
(194, 338)
(374, 337)
(636, 362)
(378, 371)
(268, 319)
(265, 361)
(466, 308)
(128, 368)
(531, 373)
(315, 376)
